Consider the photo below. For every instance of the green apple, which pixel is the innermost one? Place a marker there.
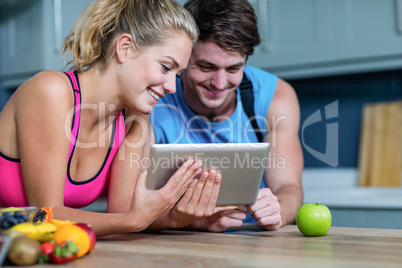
(313, 219)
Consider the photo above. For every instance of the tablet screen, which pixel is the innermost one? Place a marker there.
(240, 164)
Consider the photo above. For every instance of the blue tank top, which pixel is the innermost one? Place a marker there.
(174, 122)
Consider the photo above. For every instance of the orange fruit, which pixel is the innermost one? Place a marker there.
(75, 234)
(60, 223)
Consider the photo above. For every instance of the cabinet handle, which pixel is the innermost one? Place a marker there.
(264, 24)
(399, 15)
(57, 25)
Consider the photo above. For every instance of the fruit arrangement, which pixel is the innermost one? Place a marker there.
(38, 238)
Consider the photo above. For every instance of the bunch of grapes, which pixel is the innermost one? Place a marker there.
(9, 219)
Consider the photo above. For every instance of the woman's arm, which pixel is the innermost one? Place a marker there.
(43, 127)
(129, 162)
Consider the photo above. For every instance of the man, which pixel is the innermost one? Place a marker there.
(207, 107)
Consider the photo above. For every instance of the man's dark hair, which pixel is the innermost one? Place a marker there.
(231, 24)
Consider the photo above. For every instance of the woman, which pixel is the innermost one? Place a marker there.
(63, 134)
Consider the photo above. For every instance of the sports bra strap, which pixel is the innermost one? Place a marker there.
(73, 81)
(77, 105)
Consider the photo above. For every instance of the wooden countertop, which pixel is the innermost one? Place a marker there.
(247, 247)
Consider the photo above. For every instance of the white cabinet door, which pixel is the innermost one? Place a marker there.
(57, 25)
(368, 29)
(293, 32)
(20, 31)
(32, 33)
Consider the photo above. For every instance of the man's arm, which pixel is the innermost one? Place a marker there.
(277, 204)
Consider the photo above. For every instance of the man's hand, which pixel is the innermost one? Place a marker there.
(266, 210)
(223, 220)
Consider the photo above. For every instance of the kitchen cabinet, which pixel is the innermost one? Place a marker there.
(19, 40)
(327, 37)
(367, 29)
(312, 38)
(293, 33)
(32, 33)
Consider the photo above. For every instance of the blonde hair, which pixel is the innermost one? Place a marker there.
(93, 37)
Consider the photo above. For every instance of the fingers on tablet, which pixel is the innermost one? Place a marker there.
(206, 188)
(206, 193)
(214, 185)
(186, 174)
(187, 197)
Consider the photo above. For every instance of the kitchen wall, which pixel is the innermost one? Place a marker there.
(337, 54)
(351, 92)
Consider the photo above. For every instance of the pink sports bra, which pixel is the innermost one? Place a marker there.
(76, 194)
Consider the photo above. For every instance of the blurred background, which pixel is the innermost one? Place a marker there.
(343, 58)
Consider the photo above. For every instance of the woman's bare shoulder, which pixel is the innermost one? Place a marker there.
(48, 81)
(45, 86)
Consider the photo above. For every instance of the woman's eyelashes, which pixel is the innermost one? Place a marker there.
(165, 68)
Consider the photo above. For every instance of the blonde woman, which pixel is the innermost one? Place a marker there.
(62, 135)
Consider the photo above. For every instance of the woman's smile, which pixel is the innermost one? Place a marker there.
(154, 95)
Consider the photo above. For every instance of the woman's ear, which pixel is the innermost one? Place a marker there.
(123, 44)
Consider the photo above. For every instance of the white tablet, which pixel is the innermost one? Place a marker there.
(240, 164)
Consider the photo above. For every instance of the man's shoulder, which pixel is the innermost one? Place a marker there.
(258, 73)
(261, 80)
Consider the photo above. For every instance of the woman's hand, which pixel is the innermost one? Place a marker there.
(147, 205)
(199, 201)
